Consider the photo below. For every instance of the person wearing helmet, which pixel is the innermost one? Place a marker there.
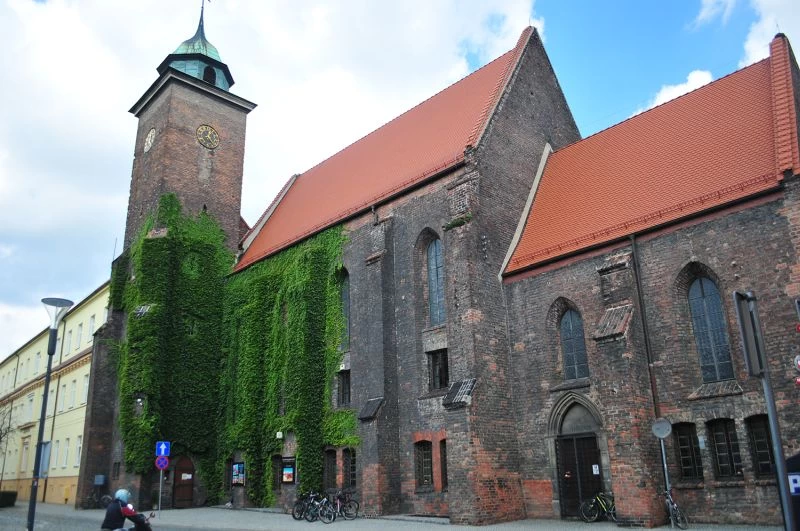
(118, 510)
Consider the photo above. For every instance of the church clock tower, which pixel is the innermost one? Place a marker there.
(190, 140)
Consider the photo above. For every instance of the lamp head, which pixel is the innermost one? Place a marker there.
(56, 309)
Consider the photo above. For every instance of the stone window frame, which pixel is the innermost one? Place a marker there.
(438, 370)
(443, 462)
(349, 468)
(343, 388)
(423, 465)
(691, 272)
(687, 451)
(560, 306)
(434, 261)
(729, 442)
(760, 440)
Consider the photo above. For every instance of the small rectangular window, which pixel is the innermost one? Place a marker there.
(78, 337)
(85, 388)
(329, 472)
(66, 453)
(62, 398)
(688, 448)
(68, 344)
(423, 464)
(91, 327)
(343, 384)
(725, 449)
(78, 449)
(761, 446)
(443, 462)
(349, 457)
(439, 377)
(115, 470)
(54, 461)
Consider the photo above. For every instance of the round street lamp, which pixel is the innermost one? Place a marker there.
(56, 309)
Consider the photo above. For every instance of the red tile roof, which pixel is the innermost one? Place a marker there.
(725, 141)
(416, 145)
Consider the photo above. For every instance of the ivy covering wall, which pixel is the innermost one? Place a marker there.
(284, 322)
(218, 363)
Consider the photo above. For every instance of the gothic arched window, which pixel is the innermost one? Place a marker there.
(710, 332)
(573, 347)
(436, 283)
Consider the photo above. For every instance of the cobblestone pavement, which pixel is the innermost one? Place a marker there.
(52, 517)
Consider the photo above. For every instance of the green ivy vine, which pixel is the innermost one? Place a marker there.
(250, 354)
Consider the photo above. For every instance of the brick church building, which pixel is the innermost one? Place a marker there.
(520, 304)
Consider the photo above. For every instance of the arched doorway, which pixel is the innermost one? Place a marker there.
(579, 469)
(183, 489)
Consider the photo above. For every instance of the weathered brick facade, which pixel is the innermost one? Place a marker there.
(502, 452)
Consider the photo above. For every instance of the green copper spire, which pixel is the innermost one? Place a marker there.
(200, 59)
(199, 43)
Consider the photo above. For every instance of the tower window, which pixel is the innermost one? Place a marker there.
(210, 75)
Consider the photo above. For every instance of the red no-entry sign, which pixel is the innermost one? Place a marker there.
(162, 462)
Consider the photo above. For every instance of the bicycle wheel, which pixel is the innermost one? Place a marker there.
(105, 500)
(350, 510)
(327, 514)
(589, 511)
(612, 513)
(680, 519)
(299, 510)
(312, 512)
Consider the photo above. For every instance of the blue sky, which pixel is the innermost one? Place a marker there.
(324, 73)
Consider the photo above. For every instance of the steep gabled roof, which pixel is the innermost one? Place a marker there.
(415, 146)
(725, 141)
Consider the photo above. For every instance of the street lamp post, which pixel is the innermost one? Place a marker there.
(56, 309)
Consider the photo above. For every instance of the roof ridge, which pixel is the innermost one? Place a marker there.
(784, 114)
(628, 224)
(632, 117)
(514, 56)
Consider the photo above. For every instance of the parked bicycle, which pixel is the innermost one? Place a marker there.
(601, 504)
(676, 516)
(344, 505)
(313, 507)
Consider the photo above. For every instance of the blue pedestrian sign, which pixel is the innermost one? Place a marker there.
(162, 448)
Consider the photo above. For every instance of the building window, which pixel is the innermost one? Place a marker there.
(51, 403)
(761, 446)
(443, 462)
(343, 388)
(105, 314)
(329, 472)
(62, 398)
(345, 294)
(688, 448)
(25, 451)
(573, 347)
(115, 470)
(55, 454)
(78, 449)
(439, 378)
(710, 332)
(29, 416)
(78, 337)
(73, 392)
(423, 464)
(91, 327)
(349, 458)
(436, 283)
(37, 362)
(725, 449)
(85, 388)
(69, 342)
(66, 453)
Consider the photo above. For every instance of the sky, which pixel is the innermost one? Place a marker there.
(324, 73)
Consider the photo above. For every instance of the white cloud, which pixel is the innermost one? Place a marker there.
(19, 324)
(695, 79)
(322, 74)
(711, 9)
(774, 16)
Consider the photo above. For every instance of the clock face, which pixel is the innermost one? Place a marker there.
(148, 140)
(207, 136)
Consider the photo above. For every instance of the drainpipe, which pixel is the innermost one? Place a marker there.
(643, 316)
